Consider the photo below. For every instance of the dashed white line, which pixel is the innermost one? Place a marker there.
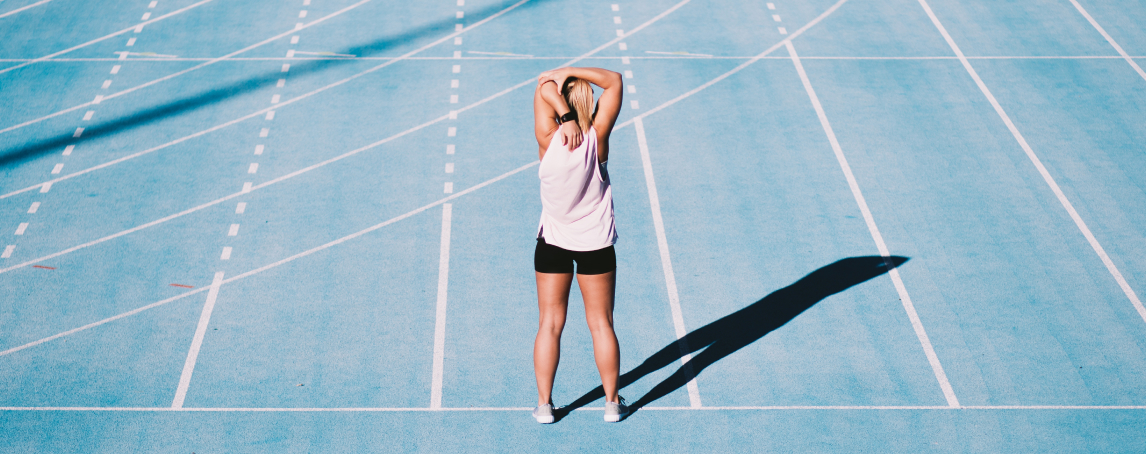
(79, 131)
(115, 70)
(457, 69)
(259, 149)
(771, 6)
(106, 83)
(8, 251)
(105, 37)
(635, 105)
(226, 255)
(88, 115)
(776, 17)
(254, 167)
(146, 16)
(240, 207)
(302, 14)
(35, 206)
(234, 230)
(453, 99)
(57, 168)
(450, 149)
(263, 132)
(460, 15)
(449, 188)
(451, 131)
(616, 7)
(628, 74)
(449, 167)
(68, 150)
(21, 228)
(270, 115)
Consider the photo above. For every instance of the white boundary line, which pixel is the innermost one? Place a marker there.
(505, 409)
(666, 260)
(265, 110)
(200, 332)
(9, 13)
(1130, 294)
(916, 324)
(1109, 39)
(297, 172)
(737, 69)
(275, 264)
(128, 29)
(440, 311)
(185, 71)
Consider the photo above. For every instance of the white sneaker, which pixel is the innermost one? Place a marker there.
(543, 414)
(615, 412)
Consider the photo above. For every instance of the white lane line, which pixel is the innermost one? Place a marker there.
(451, 131)
(146, 16)
(247, 187)
(524, 409)
(7, 251)
(9, 13)
(450, 149)
(264, 132)
(59, 167)
(197, 341)
(737, 69)
(240, 208)
(440, 312)
(285, 103)
(68, 150)
(1110, 40)
(270, 115)
(234, 230)
(449, 188)
(771, 6)
(254, 167)
(908, 306)
(105, 37)
(152, 4)
(278, 263)
(21, 228)
(79, 131)
(88, 115)
(666, 261)
(35, 206)
(449, 167)
(226, 255)
(1098, 249)
(259, 149)
(616, 7)
(106, 83)
(178, 73)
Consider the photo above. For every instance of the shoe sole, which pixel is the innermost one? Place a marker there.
(544, 419)
(615, 418)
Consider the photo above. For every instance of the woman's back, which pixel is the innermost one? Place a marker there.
(576, 197)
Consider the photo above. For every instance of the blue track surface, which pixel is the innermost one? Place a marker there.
(323, 242)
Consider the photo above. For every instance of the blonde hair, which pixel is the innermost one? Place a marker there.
(579, 96)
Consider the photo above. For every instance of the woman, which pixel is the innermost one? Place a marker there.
(576, 223)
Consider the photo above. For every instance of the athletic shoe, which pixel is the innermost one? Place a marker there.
(615, 412)
(543, 414)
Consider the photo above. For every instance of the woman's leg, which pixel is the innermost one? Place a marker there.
(598, 292)
(552, 301)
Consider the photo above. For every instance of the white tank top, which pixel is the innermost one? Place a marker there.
(576, 198)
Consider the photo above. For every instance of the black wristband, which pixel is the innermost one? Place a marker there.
(569, 116)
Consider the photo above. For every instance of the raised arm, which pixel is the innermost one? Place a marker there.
(548, 106)
(608, 105)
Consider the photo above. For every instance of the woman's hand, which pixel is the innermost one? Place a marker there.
(571, 135)
(558, 77)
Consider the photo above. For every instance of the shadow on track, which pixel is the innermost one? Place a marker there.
(142, 118)
(738, 329)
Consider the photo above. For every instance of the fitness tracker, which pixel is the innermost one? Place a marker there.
(569, 116)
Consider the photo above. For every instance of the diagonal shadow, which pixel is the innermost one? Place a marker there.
(738, 329)
(142, 118)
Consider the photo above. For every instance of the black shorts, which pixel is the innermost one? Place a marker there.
(548, 258)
